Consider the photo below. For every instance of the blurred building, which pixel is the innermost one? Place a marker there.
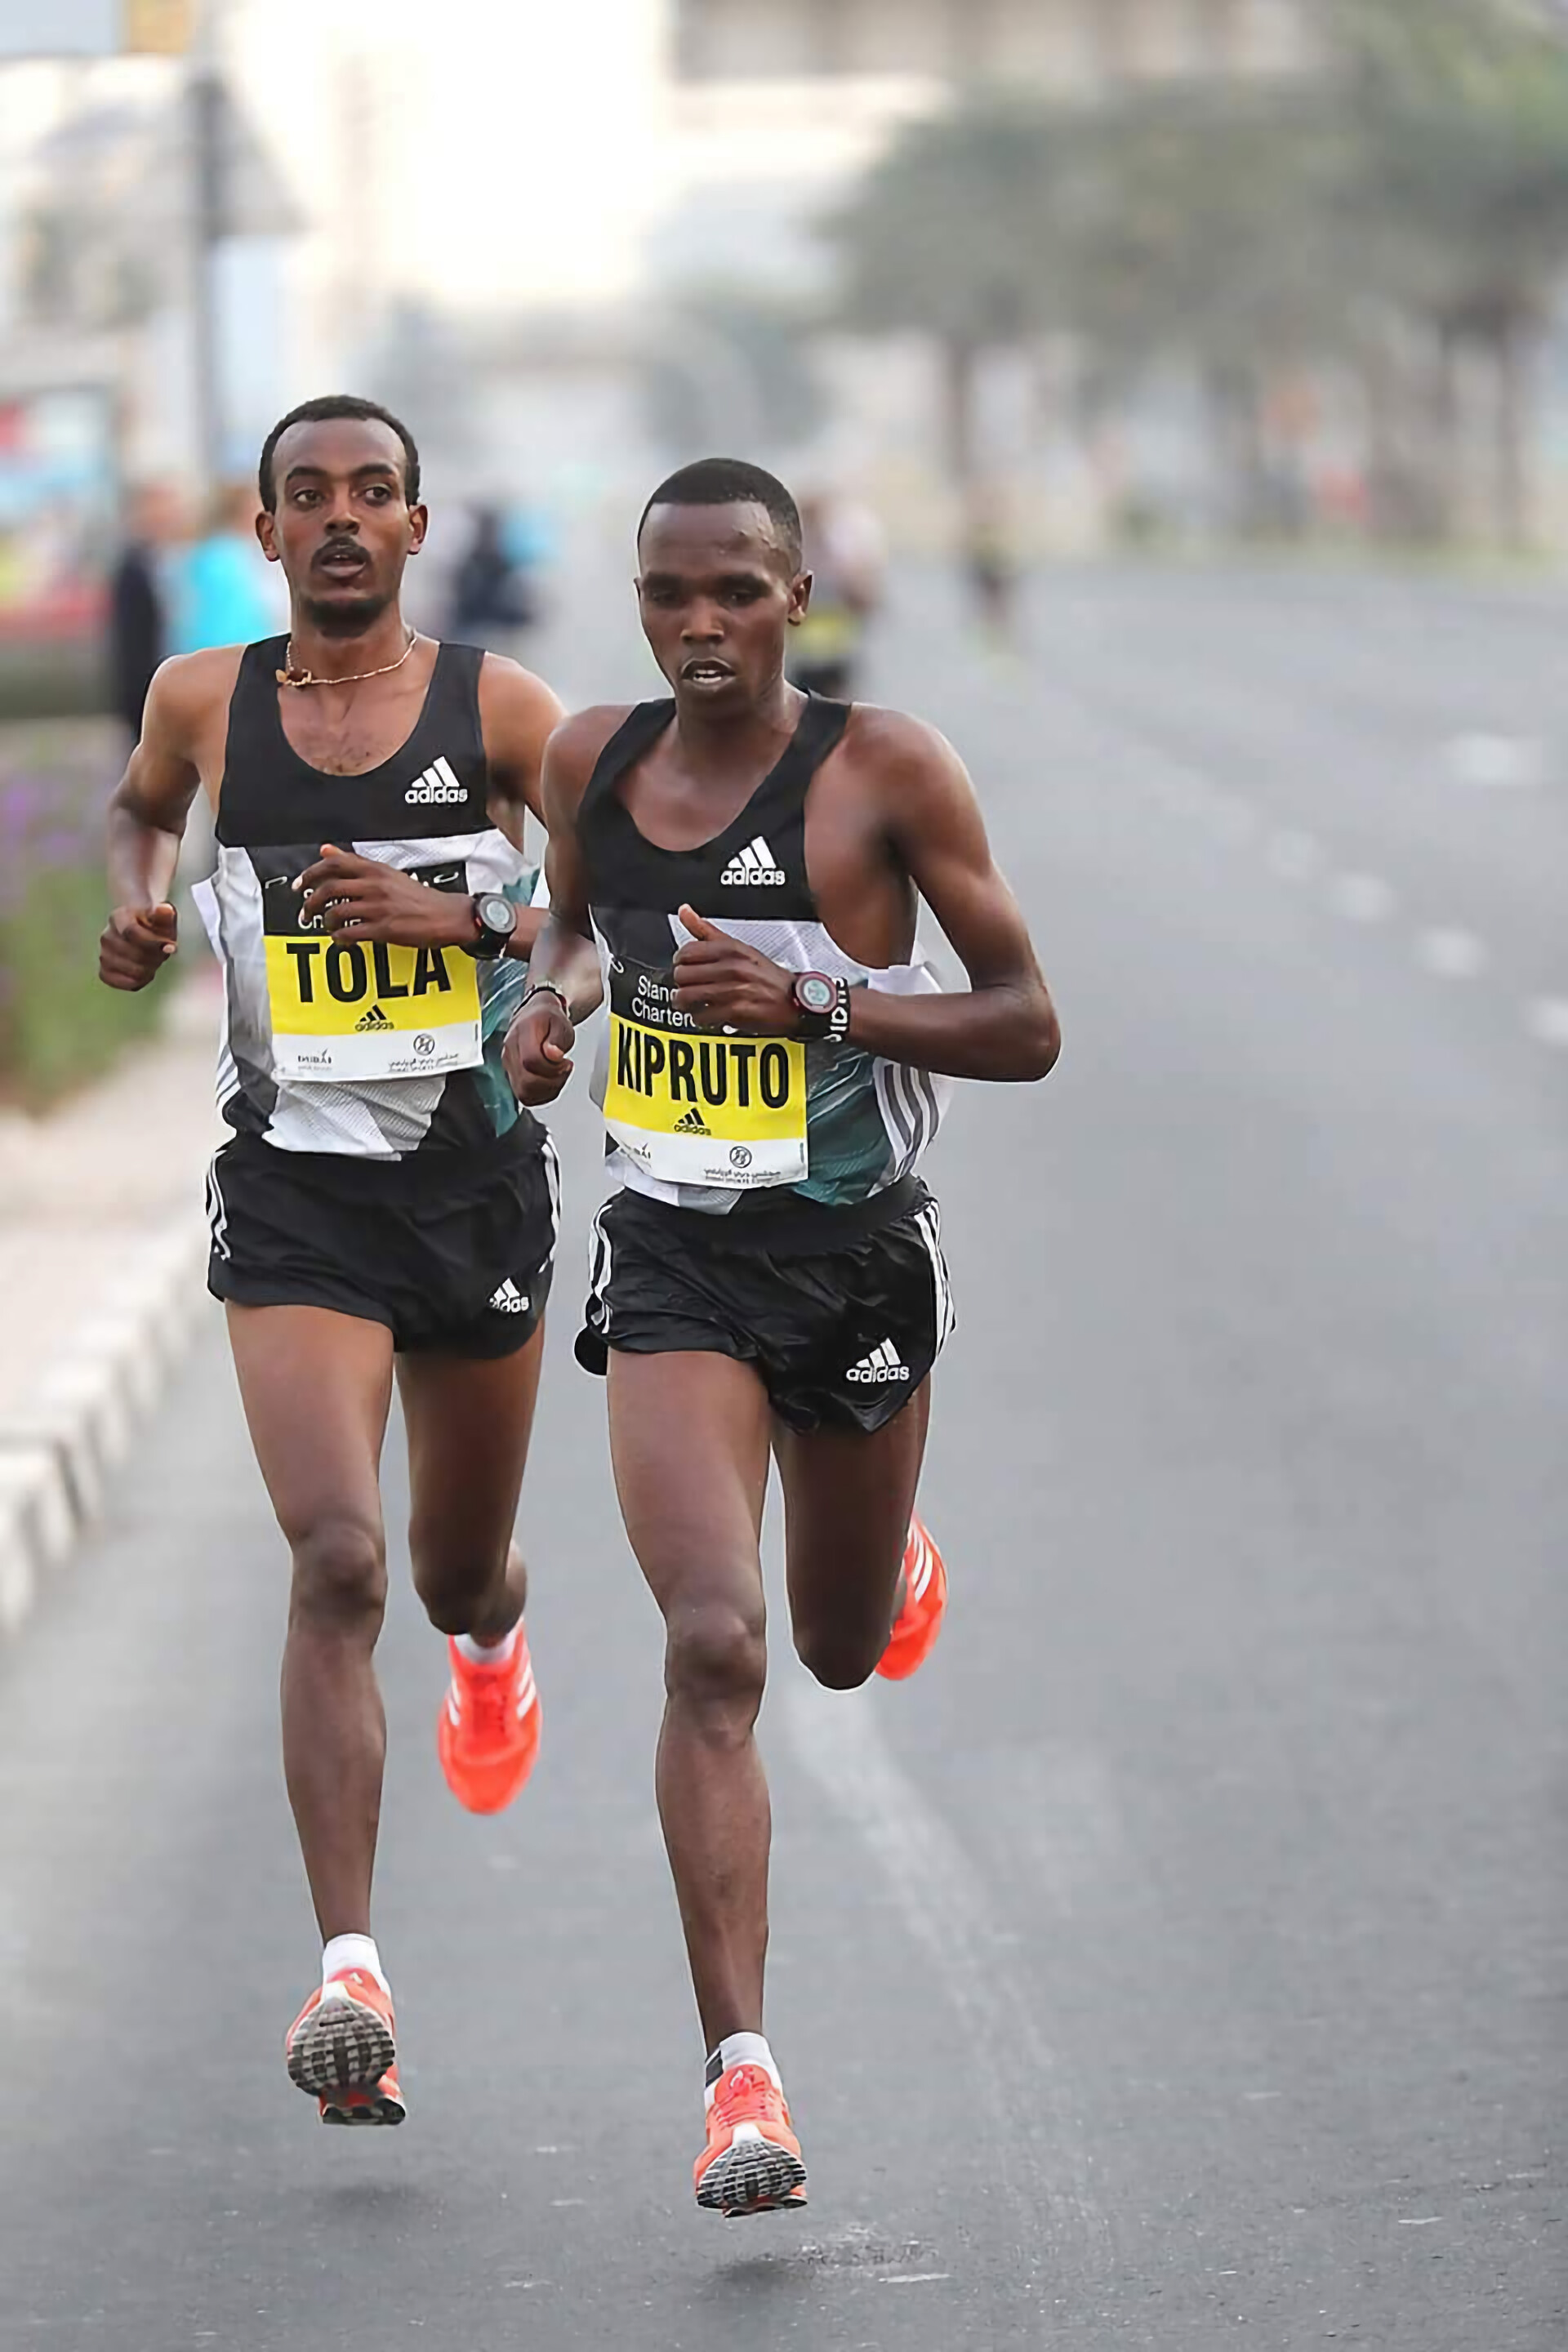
(1073, 46)
(774, 102)
(772, 107)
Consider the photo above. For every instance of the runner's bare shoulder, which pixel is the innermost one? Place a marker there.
(506, 688)
(188, 685)
(574, 750)
(896, 755)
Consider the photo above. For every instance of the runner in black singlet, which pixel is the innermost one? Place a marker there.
(381, 1204)
(769, 1278)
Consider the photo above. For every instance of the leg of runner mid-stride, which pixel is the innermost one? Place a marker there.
(317, 1387)
(688, 1437)
(469, 1421)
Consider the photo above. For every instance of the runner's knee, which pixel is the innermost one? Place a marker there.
(452, 1587)
(340, 1574)
(839, 1660)
(716, 1658)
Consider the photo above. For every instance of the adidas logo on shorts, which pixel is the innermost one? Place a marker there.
(438, 784)
(756, 863)
(509, 1299)
(882, 1365)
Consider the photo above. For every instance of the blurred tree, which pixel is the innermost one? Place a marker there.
(952, 234)
(1458, 147)
(730, 368)
(1406, 204)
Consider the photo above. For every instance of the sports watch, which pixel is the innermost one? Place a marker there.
(497, 920)
(822, 1006)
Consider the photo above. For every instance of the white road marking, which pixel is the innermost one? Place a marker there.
(947, 1909)
(1452, 954)
(1361, 897)
(1492, 764)
(913, 2278)
(1546, 1018)
(1295, 856)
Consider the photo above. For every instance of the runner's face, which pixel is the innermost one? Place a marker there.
(342, 528)
(717, 590)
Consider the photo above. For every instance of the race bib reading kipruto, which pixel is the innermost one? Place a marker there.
(694, 1107)
(350, 1012)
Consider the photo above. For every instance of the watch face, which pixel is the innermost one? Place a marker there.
(813, 993)
(497, 914)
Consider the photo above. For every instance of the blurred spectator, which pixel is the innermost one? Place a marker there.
(493, 594)
(229, 594)
(990, 560)
(844, 554)
(138, 617)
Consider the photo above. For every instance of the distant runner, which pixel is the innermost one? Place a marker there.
(842, 546)
(770, 1278)
(382, 1203)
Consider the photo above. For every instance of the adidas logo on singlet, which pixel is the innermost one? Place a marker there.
(882, 1365)
(756, 863)
(692, 1125)
(374, 1019)
(438, 784)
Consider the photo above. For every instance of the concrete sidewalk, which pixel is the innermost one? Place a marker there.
(102, 1249)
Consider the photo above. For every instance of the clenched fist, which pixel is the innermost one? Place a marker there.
(136, 945)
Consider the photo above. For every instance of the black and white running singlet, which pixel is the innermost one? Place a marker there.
(698, 1119)
(373, 1052)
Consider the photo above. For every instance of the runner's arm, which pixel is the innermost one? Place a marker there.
(565, 985)
(1003, 1028)
(146, 823)
(517, 715)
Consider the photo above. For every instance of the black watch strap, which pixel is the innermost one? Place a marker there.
(494, 938)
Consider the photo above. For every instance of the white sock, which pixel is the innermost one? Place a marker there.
(489, 1654)
(740, 2050)
(354, 1952)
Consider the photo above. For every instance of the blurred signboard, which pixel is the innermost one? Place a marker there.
(96, 28)
(57, 511)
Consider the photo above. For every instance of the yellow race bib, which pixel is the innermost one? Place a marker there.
(352, 1012)
(693, 1108)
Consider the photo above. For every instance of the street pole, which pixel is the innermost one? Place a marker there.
(204, 102)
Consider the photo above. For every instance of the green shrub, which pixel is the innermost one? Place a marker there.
(58, 1025)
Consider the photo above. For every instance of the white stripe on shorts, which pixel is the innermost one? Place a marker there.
(217, 1214)
(599, 1256)
(928, 1218)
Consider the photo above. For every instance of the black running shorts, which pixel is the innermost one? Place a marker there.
(842, 1335)
(454, 1258)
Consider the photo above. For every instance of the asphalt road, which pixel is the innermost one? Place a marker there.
(1179, 1961)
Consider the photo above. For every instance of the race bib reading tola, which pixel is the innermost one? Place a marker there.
(351, 1012)
(696, 1107)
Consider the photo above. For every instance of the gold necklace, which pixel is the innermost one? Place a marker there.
(302, 678)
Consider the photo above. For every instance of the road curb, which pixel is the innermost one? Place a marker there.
(58, 1450)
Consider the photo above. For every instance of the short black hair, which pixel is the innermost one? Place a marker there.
(325, 411)
(732, 482)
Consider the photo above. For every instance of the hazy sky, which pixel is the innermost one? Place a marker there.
(515, 144)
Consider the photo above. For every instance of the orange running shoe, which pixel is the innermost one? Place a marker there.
(919, 1622)
(488, 1730)
(342, 2052)
(752, 2163)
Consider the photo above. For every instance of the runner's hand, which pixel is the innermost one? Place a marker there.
(724, 984)
(538, 1051)
(361, 898)
(136, 945)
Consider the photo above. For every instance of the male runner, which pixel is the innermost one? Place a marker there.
(771, 1276)
(382, 1202)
